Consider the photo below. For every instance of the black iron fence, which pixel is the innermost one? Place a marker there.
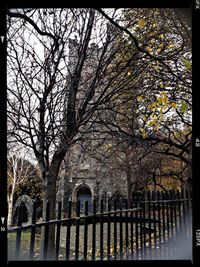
(154, 225)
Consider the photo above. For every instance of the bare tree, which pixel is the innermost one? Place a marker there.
(54, 95)
(20, 172)
(72, 74)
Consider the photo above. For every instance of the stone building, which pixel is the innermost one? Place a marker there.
(85, 180)
(80, 180)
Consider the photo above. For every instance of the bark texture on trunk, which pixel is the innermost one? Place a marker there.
(10, 210)
(50, 196)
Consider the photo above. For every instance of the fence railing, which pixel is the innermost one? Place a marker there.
(149, 228)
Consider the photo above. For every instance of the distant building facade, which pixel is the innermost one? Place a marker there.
(80, 181)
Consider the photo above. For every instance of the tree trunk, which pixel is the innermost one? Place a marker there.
(50, 196)
(10, 210)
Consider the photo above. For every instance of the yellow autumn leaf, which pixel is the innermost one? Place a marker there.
(161, 118)
(152, 106)
(164, 94)
(149, 49)
(153, 122)
(141, 22)
(173, 105)
(186, 63)
(170, 46)
(108, 147)
(143, 132)
(139, 98)
(161, 85)
(158, 50)
(164, 97)
(154, 116)
(159, 99)
(145, 119)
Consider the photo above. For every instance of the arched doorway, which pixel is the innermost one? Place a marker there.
(84, 194)
(27, 208)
